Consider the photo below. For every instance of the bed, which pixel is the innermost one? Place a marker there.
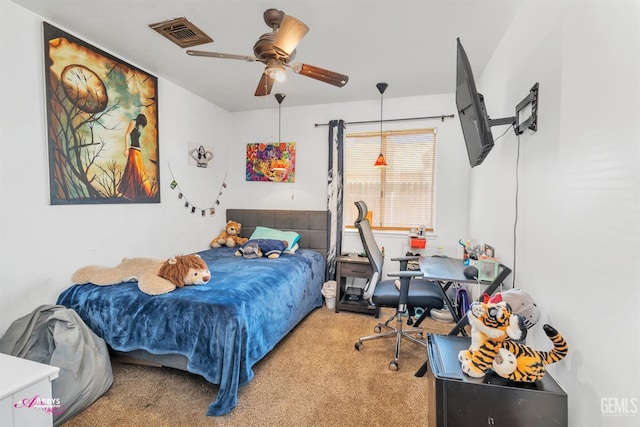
(221, 329)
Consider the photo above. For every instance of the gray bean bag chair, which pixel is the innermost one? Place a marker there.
(57, 336)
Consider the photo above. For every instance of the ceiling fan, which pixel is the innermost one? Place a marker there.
(276, 49)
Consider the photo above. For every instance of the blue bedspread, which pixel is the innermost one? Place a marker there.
(223, 327)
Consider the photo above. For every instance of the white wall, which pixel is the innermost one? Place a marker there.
(578, 221)
(63, 238)
(41, 245)
(310, 189)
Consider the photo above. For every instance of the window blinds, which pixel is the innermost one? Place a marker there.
(399, 196)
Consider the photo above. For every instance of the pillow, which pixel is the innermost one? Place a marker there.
(292, 250)
(271, 233)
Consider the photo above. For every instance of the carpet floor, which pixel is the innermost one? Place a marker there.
(314, 377)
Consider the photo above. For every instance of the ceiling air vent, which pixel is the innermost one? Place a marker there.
(182, 32)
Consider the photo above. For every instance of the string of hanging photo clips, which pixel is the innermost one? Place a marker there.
(187, 204)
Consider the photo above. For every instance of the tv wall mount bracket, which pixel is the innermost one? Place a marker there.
(526, 114)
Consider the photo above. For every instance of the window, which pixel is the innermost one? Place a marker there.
(400, 196)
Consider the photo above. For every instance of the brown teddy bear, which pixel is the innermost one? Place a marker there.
(154, 276)
(230, 237)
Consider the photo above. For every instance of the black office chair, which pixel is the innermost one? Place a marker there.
(414, 292)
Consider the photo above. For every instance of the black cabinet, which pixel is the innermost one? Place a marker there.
(457, 400)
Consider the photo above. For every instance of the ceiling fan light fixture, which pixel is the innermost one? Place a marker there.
(276, 50)
(276, 71)
(291, 31)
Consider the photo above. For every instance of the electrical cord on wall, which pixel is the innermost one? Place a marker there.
(503, 134)
(515, 221)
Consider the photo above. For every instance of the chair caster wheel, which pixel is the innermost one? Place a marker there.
(393, 365)
(377, 329)
(359, 345)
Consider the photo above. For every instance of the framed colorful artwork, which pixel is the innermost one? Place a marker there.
(102, 125)
(275, 162)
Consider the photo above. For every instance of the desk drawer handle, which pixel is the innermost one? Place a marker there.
(359, 271)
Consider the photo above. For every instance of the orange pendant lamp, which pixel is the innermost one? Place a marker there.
(380, 161)
(279, 97)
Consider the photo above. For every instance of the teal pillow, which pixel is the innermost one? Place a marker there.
(291, 237)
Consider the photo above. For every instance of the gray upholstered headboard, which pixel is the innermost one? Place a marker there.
(311, 225)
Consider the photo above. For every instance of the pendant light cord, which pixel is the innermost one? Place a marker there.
(381, 104)
(279, 121)
(279, 97)
(380, 161)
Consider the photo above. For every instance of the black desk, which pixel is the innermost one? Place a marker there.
(447, 271)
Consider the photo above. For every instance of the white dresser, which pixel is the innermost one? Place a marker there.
(25, 392)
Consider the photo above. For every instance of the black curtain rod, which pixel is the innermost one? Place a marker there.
(442, 117)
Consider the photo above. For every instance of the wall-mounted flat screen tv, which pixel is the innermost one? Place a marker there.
(476, 124)
(471, 111)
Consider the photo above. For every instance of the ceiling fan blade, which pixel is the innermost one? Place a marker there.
(291, 31)
(264, 86)
(321, 74)
(221, 55)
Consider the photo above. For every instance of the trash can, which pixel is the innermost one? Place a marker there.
(329, 292)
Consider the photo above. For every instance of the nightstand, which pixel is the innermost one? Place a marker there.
(352, 265)
(25, 392)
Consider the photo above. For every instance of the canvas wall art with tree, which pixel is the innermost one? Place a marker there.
(102, 125)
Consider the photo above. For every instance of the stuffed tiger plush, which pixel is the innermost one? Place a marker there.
(519, 362)
(491, 324)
